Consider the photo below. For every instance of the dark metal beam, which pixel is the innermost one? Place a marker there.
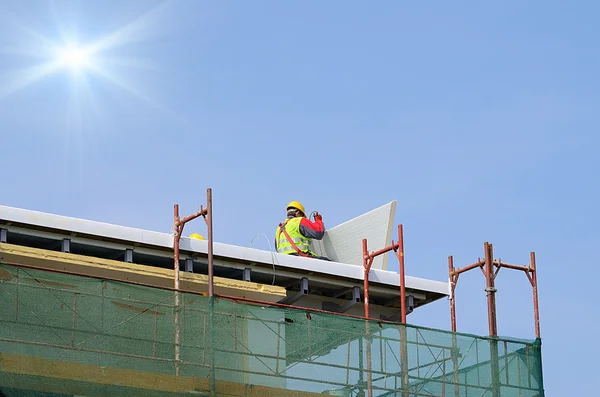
(410, 306)
(66, 245)
(290, 300)
(334, 307)
(189, 265)
(246, 274)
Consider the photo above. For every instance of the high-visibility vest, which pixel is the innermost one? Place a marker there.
(292, 227)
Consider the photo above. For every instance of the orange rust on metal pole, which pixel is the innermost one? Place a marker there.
(490, 288)
(211, 290)
(533, 280)
(467, 268)
(453, 280)
(367, 262)
(511, 266)
(404, 348)
(491, 298)
(179, 224)
(369, 368)
(188, 218)
(487, 267)
(209, 203)
(176, 239)
(402, 274)
(383, 250)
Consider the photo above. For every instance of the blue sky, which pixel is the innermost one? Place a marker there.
(480, 118)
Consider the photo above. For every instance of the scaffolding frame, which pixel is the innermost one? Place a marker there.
(178, 225)
(490, 268)
(487, 266)
(416, 389)
(368, 258)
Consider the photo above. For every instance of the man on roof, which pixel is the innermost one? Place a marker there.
(294, 235)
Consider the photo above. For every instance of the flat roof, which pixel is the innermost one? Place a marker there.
(24, 225)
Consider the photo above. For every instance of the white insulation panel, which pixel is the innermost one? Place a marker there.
(343, 243)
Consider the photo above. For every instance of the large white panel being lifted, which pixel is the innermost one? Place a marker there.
(343, 243)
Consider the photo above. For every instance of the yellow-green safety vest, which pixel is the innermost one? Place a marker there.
(292, 226)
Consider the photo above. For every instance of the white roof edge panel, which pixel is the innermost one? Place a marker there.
(165, 240)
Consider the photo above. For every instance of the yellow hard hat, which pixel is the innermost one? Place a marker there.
(297, 205)
(196, 236)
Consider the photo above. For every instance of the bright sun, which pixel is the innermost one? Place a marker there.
(74, 58)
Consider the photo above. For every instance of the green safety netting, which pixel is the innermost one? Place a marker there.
(67, 335)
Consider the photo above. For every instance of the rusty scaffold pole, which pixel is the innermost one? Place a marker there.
(454, 352)
(490, 268)
(179, 224)
(368, 258)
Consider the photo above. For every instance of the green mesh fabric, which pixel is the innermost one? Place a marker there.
(66, 335)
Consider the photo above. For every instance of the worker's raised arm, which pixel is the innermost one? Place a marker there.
(314, 230)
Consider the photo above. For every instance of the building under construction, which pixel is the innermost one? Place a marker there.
(94, 309)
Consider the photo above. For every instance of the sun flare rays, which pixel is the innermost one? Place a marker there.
(37, 57)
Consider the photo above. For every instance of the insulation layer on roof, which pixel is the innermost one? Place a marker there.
(52, 376)
(122, 271)
(343, 243)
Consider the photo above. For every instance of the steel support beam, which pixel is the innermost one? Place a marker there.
(334, 307)
(129, 255)
(189, 265)
(410, 306)
(290, 300)
(66, 245)
(3, 235)
(246, 274)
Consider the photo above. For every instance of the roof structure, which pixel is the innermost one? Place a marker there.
(313, 283)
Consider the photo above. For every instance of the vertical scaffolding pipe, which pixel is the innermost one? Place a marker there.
(490, 288)
(367, 262)
(211, 291)
(403, 332)
(209, 203)
(369, 364)
(402, 274)
(453, 280)
(361, 376)
(536, 310)
(211, 325)
(366, 268)
(176, 244)
(404, 359)
(176, 239)
(179, 224)
(491, 298)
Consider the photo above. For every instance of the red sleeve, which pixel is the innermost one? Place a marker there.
(311, 229)
(317, 226)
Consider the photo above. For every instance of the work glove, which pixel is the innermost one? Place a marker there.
(318, 217)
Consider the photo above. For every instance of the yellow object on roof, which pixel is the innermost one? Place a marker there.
(197, 236)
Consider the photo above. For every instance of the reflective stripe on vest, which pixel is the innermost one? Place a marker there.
(292, 226)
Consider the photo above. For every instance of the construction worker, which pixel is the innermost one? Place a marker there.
(294, 235)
